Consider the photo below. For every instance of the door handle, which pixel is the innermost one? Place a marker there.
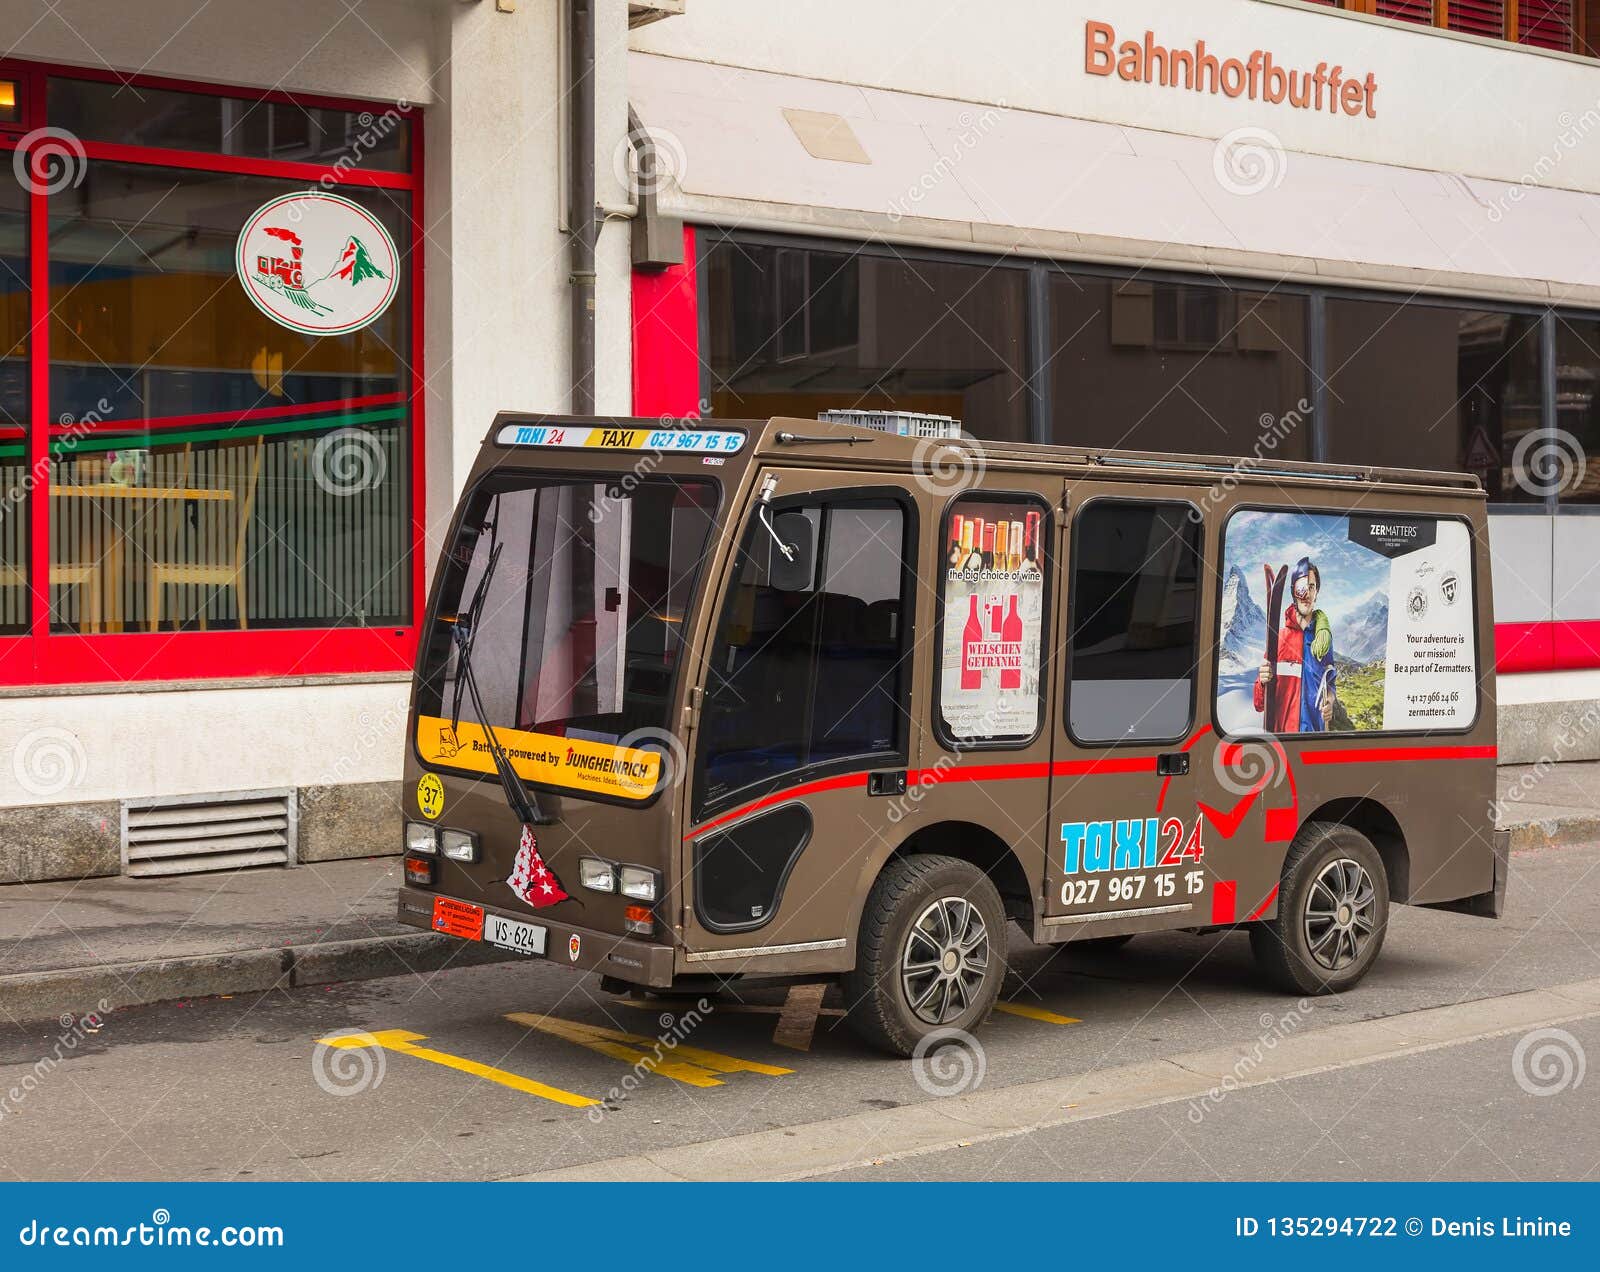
(1172, 764)
(891, 783)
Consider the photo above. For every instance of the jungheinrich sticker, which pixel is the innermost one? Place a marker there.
(576, 763)
(317, 263)
(672, 441)
(1346, 623)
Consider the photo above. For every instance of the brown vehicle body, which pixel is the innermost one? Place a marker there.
(818, 837)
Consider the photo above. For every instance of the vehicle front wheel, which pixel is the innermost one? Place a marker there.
(1333, 911)
(930, 956)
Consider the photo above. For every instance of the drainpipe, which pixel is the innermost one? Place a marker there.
(582, 222)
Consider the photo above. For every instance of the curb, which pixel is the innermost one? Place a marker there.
(72, 992)
(1554, 832)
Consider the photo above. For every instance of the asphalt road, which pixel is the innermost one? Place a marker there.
(517, 1069)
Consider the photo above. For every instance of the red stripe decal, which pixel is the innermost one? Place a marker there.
(1390, 754)
(1223, 894)
(1262, 908)
(1281, 825)
(782, 797)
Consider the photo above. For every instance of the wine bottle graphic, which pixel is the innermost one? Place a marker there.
(971, 676)
(1011, 635)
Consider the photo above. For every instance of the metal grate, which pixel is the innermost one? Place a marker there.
(192, 833)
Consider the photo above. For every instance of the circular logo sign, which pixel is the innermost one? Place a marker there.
(430, 796)
(317, 263)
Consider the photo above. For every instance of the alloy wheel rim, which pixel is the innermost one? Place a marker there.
(945, 959)
(1341, 914)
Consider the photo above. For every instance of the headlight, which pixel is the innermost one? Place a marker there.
(639, 883)
(421, 837)
(597, 875)
(459, 845)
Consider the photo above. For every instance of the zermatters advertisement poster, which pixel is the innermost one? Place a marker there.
(993, 614)
(1335, 623)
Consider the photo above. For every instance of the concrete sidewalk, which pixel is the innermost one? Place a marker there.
(66, 947)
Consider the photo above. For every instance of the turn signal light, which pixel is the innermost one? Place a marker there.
(640, 920)
(419, 871)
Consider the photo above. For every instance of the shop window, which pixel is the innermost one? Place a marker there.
(1573, 454)
(1165, 366)
(797, 331)
(10, 109)
(1434, 386)
(807, 672)
(1134, 602)
(138, 115)
(13, 404)
(195, 465)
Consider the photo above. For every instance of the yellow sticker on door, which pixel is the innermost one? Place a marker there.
(430, 796)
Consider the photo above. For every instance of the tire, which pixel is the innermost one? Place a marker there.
(1315, 945)
(931, 896)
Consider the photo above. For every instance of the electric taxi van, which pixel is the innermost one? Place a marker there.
(802, 701)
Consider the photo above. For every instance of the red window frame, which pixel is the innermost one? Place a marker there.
(42, 657)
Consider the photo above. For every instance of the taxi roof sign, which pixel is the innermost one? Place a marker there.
(688, 441)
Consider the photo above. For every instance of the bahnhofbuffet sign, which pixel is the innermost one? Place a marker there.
(1257, 76)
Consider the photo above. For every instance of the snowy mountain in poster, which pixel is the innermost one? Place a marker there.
(1363, 635)
(1244, 625)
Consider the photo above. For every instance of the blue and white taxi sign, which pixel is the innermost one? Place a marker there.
(669, 441)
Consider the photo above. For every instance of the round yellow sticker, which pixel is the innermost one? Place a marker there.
(430, 796)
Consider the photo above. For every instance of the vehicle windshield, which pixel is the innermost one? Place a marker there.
(579, 632)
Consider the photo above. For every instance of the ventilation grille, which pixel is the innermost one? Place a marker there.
(189, 834)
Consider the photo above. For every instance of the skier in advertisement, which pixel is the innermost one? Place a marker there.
(1301, 701)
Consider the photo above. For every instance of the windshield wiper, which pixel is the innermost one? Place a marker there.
(524, 803)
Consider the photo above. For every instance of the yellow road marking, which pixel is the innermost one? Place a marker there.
(403, 1042)
(693, 1066)
(1036, 1013)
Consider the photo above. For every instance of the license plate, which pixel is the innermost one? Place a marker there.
(458, 918)
(514, 934)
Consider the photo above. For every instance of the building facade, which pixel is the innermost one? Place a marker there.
(1359, 233)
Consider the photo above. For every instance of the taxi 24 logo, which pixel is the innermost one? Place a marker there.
(1139, 843)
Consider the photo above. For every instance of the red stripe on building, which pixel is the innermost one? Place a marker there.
(666, 338)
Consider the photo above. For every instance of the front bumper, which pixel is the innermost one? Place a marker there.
(637, 962)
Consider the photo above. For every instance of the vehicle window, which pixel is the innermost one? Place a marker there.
(803, 674)
(1341, 622)
(1134, 601)
(579, 631)
(992, 616)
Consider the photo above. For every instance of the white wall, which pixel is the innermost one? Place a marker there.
(1445, 103)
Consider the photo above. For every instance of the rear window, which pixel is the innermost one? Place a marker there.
(1346, 623)
(579, 632)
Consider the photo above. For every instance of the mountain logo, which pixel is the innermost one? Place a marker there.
(317, 263)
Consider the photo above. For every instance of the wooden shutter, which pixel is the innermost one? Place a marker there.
(1546, 24)
(1405, 10)
(1477, 17)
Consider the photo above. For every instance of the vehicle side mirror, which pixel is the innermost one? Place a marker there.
(796, 571)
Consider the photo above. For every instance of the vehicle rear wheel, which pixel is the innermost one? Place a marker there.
(1333, 911)
(930, 956)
